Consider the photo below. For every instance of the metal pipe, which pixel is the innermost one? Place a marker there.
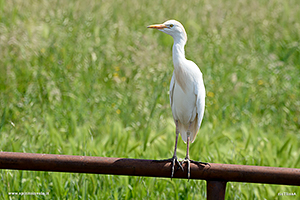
(153, 168)
(216, 190)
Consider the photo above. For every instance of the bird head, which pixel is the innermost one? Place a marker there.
(173, 28)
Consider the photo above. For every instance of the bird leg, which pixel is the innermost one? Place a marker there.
(187, 157)
(174, 158)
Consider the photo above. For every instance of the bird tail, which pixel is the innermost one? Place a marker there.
(192, 128)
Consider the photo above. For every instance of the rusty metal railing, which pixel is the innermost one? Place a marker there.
(216, 175)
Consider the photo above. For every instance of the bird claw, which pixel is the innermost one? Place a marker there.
(189, 161)
(174, 161)
(199, 162)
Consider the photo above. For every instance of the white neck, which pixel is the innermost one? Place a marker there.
(178, 51)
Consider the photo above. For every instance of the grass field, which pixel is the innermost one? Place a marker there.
(88, 78)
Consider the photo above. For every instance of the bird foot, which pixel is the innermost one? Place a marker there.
(189, 161)
(174, 161)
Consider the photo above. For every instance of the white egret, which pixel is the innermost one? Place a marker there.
(187, 91)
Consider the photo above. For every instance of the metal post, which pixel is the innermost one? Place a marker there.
(216, 190)
(152, 168)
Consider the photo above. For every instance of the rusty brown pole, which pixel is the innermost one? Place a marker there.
(216, 190)
(153, 168)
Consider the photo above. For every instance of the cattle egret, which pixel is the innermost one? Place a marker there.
(187, 91)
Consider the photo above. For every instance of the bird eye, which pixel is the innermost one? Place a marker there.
(171, 25)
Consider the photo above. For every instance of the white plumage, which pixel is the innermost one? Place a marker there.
(187, 98)
(187, 91)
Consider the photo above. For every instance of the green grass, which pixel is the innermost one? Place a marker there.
(88, 78)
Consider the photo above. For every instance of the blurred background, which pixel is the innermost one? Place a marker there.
(88, 78)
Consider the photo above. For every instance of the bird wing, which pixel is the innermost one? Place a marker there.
(199, 91)
(172, 85)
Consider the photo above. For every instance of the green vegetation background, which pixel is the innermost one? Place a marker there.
(88, 78)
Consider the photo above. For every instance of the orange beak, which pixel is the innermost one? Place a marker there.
(157, 26)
